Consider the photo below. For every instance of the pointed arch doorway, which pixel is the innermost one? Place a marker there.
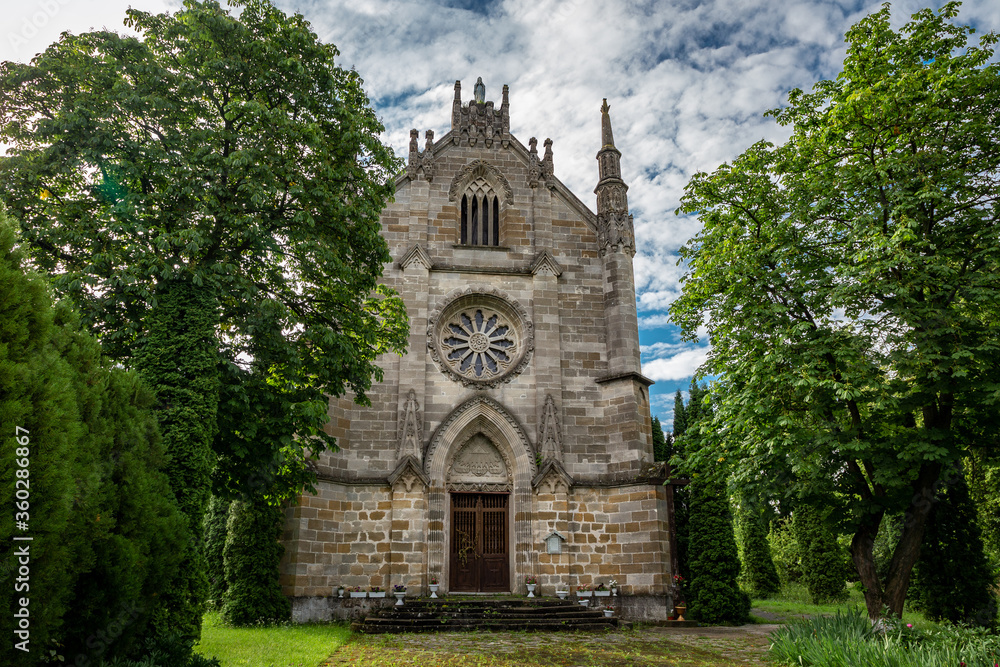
(479, 483)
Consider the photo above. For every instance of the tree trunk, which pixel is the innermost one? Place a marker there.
(904, 556)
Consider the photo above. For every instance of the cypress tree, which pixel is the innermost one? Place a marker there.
(216, 518)
(252, 554)
(822, 562)
(660, 452)
(680, 420)
(758, 574)
(714, 564)
(952, 579)
(104, 525)
(179, 360)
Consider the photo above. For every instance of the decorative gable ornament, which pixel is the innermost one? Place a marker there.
(410, 429)
(554, 542)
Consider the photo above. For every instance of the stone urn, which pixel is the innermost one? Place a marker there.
(434, 590)
(531, 590)
(399, 598)
(562, 594)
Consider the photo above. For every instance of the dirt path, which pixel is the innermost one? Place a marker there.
(647, 647)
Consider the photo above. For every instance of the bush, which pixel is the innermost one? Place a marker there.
(785, 551)
(172, 650)
(216, 518)
(952, 579)
(758, 574)
(252, 556)
(715, 596)
(103, 520)
(821, 556)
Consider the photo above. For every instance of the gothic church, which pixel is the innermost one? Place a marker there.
(513, 440)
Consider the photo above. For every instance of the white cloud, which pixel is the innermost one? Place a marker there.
(680, 366)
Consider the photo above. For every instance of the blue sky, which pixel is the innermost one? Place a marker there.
(688, 83)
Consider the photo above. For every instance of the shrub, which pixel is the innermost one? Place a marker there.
(252, 556)
(952, 579)
(714, 565)
(821, 556)
(758, 574)
(216, 517)
(103, 520)
(785, 551)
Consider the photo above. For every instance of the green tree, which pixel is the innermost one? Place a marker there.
(252, 553)
(952, 579)
(785, 550)
(758, 575)
(660, 450)
(851, 282)
(820, 556)
(680, 422)
(230, 171)
(106, 531)
(714, 564)
(216, 518)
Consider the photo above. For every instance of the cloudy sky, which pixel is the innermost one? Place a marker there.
(688, 83)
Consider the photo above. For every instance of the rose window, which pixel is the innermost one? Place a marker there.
(479, 344)
(480, 337)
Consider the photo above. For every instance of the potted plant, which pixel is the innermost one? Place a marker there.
(434, 587)
(357, 592)
(602, 591)
(399, 590)
(681, 606)
(375, 592)
(585, 591)
(340, 591)
(613, 585)
(609, 611)
(562, 594)
(531, 582)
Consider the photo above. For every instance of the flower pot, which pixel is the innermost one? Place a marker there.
(340, 592)
(680, 609)
(434, 590)
(562, 594)
(614, 591)
(584, 602)
(602, 594)
(584, 594)
(531, 590)
(362, 594)
(399, 599)
(379, 594)
(608, 613)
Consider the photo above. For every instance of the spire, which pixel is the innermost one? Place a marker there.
(607, 139)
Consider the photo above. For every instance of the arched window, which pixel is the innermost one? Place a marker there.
(480, 223)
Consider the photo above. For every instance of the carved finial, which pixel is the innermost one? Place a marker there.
(413, 140)
(504, 101)
(607, 138)
(458, 91)
(533, 145)
(480, 91)
(410, 429)
(429, 140)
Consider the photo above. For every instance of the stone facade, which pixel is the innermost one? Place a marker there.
(518, 412)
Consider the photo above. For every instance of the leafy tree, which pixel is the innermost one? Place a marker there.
(758, 574)
(982, 473)
(227, 170)
(822, 565)
(216, 518)
(105, 528)
(952, 579)
(252, 553)
(851, 282)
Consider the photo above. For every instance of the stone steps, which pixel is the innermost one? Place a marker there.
(449, 614)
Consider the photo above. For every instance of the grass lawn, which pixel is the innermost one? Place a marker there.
(282, 646)
(794, 603)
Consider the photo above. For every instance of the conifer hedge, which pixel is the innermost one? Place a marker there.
(758, 573)
(714, 565)
(822, 561)
(952, 579)
(216, 518)
(104, 525)
(252, 555)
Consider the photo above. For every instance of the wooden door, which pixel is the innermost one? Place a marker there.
(478, 549)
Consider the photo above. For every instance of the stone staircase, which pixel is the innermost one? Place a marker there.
(500, 614)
